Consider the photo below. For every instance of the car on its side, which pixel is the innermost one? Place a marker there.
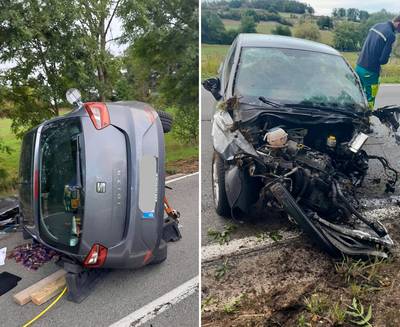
(92, 184)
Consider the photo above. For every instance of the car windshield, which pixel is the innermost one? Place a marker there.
(297, 77)
(61, 189)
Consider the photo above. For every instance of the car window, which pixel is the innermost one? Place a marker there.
(295, 76)
(61, 195)
(26, 177)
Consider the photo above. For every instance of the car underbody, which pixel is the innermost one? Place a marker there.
(307, 164)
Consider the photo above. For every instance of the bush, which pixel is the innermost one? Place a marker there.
(247, 25)
(282, 30)
(325, 22)
(307, 31)
(185, 125)
(212, 28)
(347, 36)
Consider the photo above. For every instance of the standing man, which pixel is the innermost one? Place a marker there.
(376, 52)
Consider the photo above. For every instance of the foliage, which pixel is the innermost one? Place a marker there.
(164, 50)
(222, 269)
(360, 318)
(222, 237)
(212, 28)
(307, 30)
(232, 306)
(282, 30)
(325, 22)
(347, 36)
(53, 45)
(247, 25)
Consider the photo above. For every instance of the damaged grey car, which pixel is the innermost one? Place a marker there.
(288, 138)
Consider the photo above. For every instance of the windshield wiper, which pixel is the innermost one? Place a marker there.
(323, 106)
(270, 102)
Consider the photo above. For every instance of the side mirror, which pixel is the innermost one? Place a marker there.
(213, 85)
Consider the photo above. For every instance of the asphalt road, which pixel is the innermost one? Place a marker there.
(121, 292)
(380, 143)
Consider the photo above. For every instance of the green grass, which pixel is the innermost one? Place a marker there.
(10, 162)
(211, 58)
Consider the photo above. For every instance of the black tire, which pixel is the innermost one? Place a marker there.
(160, 255)
(218, 186)
(166, 120)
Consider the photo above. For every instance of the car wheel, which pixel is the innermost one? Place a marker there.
(160, 255)
(218, 186)
(166, 120)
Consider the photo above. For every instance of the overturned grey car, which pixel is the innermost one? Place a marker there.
(288, 137)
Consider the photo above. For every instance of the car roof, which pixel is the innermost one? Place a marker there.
(286, 42)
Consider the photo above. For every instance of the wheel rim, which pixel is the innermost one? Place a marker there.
(215, 183)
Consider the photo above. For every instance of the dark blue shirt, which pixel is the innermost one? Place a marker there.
(377, 47)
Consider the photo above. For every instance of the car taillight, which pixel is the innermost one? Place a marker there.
(98, 113)
(96, 257)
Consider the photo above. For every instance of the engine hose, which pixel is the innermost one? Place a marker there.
(378, 228)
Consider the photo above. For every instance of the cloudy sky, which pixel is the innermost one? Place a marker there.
(324, 7)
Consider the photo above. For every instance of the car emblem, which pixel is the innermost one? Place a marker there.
(101, 187)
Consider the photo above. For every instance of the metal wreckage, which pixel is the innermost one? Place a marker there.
(304, 162)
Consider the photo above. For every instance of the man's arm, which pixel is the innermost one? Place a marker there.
(384, 58)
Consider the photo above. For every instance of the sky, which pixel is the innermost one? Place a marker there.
(324, 7)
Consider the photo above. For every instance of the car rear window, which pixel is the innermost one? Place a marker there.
(61, 186)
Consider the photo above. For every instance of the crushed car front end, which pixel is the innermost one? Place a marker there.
(288, 137)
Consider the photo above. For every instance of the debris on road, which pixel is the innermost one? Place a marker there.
(32, 256)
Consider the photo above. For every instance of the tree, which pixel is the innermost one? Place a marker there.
(353, 14)
(56, 44)
(341, 12)
(235, 3)
(282, 30)
(247, 25)
(212, 28)
(307, 31)
(364, 15)
(164, 43)
(325, 22)
(347, 36)
(41, 39)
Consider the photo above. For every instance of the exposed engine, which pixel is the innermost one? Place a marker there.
(312, 175)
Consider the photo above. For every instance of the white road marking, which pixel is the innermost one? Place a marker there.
(213, 252)
(239, 246)
(179, 178)
(154, 308)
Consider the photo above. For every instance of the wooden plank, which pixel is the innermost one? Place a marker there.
(47, 292)
(24, 296)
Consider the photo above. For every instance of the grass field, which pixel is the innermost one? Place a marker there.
(175, 153)
(212, 55)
